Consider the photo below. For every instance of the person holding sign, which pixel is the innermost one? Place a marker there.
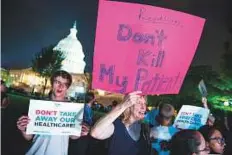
(126, 135)
(204, 93)
(51, 144)
(211, 118)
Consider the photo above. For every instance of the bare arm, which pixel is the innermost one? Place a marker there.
(22, 125)
(5, 102)
(104, 128)
(204, 101)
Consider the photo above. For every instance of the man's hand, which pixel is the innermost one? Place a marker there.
(85, 129)
(22, 123)
(204, 100)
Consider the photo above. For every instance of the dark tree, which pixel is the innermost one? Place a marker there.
(46, 62)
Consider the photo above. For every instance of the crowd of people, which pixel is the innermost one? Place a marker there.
(128, 129)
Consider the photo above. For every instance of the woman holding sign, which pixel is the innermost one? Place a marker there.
(51, 144)
(127, 135)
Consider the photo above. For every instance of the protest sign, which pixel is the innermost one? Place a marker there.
(202, 88)
(141, 47)
(191, 117)
(55, 118)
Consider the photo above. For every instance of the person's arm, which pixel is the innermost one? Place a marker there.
(104, 128)
(204, 101)
(4, 102)
(22, 125)
(226, 123)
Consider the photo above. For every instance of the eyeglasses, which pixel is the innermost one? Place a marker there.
(220, 140)
(60, 83)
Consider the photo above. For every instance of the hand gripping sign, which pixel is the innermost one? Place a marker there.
(55, 118)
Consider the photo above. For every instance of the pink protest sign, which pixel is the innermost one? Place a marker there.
(140, 47)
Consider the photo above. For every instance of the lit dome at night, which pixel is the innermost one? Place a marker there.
(72, 49)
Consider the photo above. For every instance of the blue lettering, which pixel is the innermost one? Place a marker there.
(122, 28)
(123, 84)
(158, 61)
(138, 38)
(125, 34)
(109, 72)
(142, 57)
(140, 76)
(46, 118)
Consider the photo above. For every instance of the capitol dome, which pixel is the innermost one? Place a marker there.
(72, 49)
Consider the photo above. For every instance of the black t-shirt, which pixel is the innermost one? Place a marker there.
(122, 144)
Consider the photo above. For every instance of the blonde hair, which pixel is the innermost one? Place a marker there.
(126, 115)
(128, 112)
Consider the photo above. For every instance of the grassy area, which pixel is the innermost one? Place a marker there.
(17, 99)
(12, 141)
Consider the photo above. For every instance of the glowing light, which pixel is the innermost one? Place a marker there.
(226, 103)
(150, 108)
(73, 51)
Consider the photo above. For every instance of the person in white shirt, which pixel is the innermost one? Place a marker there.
(51, 144)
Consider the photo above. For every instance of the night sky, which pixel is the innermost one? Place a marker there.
(29, 25)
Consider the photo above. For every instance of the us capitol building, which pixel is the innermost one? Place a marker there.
(74, 63)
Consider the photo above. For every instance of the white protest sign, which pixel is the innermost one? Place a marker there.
(191, 117)
(55, 118)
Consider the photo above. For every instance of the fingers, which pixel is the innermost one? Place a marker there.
(85, 130)
(204, 99)
(23, 117)
(23, 122)
(84, 133)
(133, 98)
(135, 93)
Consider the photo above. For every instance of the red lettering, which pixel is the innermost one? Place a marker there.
(45, 112)
(37, 112)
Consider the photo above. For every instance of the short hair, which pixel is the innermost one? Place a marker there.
(185, 142)
(166, 111)
(62, 74)
(89, 96)
(207, 131)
